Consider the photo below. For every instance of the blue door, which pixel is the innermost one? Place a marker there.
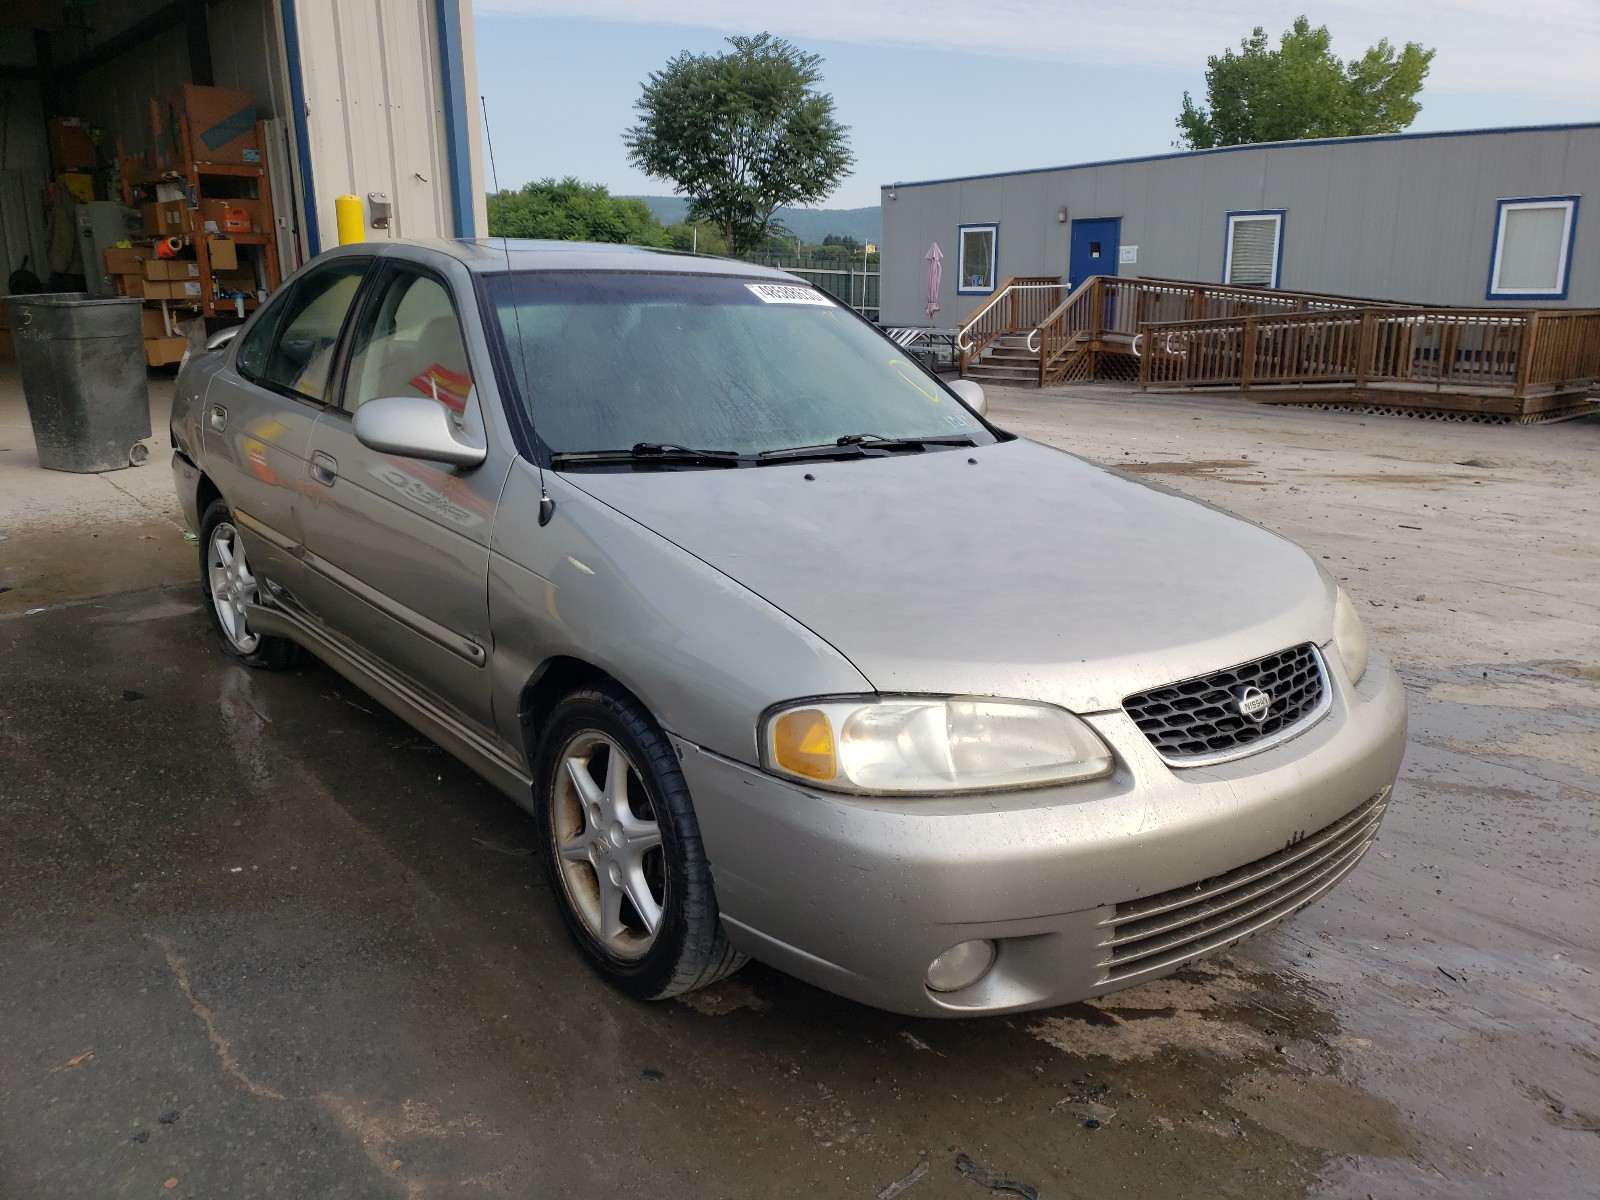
(1095, 244)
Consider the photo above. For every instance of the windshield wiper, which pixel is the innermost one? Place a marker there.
(856, 445)
(908, 443)
(647, 452)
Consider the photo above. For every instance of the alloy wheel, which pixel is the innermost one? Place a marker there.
(608, 844)
(233, 586)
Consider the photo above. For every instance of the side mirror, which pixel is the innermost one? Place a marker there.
(414, 427)
(222, 337)
(972, 393)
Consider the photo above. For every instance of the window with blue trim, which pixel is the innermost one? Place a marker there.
(1532, 248)
(977, 258)
(1255, 249)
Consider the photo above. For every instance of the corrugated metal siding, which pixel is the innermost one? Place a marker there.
(1401, 219)
(23, 172)
(116, 96)
(247, 53)
(376, 116)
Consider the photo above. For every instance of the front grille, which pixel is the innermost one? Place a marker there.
(1198, 720)
(1156, 934)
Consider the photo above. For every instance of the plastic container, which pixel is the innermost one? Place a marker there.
(81, 358)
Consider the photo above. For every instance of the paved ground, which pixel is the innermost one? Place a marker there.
(257, 939)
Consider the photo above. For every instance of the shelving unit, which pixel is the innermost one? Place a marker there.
(197, 177)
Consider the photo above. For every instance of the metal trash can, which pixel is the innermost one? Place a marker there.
(81, 358)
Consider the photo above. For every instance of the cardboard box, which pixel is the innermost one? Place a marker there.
(171, 268)
(224, 254)
(128, 285)
(71, 147)
(126, 260)
(162, 351)
(230, 216)
(168, 217)
(222, 126)
(172, 289)
(79, 183)
(155, 325)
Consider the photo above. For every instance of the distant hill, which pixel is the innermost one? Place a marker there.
(810, 225)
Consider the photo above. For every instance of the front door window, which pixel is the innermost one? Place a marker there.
(409, 343)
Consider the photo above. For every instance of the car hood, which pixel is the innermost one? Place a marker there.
(1008, 570)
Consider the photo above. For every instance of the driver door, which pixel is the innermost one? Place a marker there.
(397, 557)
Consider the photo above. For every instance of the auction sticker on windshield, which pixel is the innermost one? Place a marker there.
(782, 293)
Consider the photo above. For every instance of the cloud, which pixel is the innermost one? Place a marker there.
(1543, 48)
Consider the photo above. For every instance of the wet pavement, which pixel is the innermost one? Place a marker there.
(259, 939)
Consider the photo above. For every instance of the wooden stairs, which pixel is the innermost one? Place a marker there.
(1007, 361)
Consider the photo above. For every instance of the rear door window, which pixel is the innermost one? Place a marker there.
(295, 352)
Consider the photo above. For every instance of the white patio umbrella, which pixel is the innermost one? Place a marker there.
(935, 258)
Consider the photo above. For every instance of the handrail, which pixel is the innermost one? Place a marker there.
(1056, 313)
(1324, 299)
(1010, 310)
(978, 314)
(1040, 281)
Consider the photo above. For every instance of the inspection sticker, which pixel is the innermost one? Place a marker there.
(784, 293)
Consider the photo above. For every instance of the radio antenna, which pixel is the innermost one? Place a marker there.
(547, 506)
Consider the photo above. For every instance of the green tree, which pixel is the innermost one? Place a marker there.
(570, 211)
(703, 239)
(1302, 90)
(741, 134)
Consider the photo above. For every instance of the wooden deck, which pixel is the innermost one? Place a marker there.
(1519, 364)
(1296, 347)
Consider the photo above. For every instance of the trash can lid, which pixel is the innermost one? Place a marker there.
(68, 299)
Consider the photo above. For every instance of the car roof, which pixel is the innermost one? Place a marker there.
(488, 255)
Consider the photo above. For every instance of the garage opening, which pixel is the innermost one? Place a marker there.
(145, 151)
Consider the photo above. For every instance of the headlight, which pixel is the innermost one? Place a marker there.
(1349, 637)
(918, 744)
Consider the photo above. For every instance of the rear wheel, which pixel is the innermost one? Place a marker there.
(230, 588)
(623, 849)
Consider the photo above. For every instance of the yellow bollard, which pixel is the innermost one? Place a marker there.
(352, 221)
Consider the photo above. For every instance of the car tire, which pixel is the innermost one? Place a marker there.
(228, 585)
(620, 855)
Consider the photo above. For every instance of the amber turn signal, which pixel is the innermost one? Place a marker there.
(802, 744)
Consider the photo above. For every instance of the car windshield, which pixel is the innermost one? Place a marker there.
(609, 361)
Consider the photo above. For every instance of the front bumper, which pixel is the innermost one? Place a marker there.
(859, 895)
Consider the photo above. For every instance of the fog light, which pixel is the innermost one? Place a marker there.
(960, 966)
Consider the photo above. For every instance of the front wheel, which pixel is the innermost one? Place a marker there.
(623, 849)
(229, 585)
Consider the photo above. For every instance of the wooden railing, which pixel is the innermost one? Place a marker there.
(1016, 307)
(1106, 313)
(1212, 335)
(1069, 326)
(1565, 351)
(1182, 300)
(1514, 353)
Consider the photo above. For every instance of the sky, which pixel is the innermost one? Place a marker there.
(935, 88)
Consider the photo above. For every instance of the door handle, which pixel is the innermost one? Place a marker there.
(218, 417)
(324, 469)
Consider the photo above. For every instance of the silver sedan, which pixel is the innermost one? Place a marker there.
(791, 653)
